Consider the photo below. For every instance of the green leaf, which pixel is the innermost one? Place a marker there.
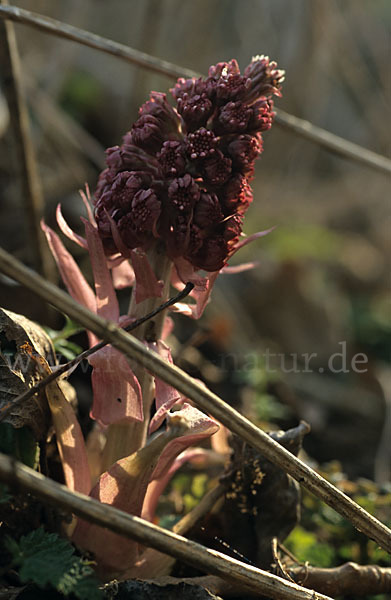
(79, 581)
(68, 349)
(60, 340)
(50, 561)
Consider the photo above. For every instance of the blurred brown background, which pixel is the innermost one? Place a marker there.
(323, 274)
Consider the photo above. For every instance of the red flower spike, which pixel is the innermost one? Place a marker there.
(181, 172)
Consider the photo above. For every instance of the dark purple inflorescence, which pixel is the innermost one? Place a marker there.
(182, 174)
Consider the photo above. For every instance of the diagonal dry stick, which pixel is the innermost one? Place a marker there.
(75, 361)
(299, 126)
(204, 398)
(22, 477)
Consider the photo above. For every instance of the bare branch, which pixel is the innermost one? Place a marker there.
(204, 398)
(26, 163)
(301, 127)
(22, 477)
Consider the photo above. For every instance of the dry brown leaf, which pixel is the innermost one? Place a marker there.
(19, 372)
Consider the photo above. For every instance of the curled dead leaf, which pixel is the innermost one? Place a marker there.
(19, 372)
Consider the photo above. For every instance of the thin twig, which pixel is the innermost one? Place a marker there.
(75, 361)
(204, 398)
(301, 127)
(22, 477)
(26, 163)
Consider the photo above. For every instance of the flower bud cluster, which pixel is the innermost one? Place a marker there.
(182, 173)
